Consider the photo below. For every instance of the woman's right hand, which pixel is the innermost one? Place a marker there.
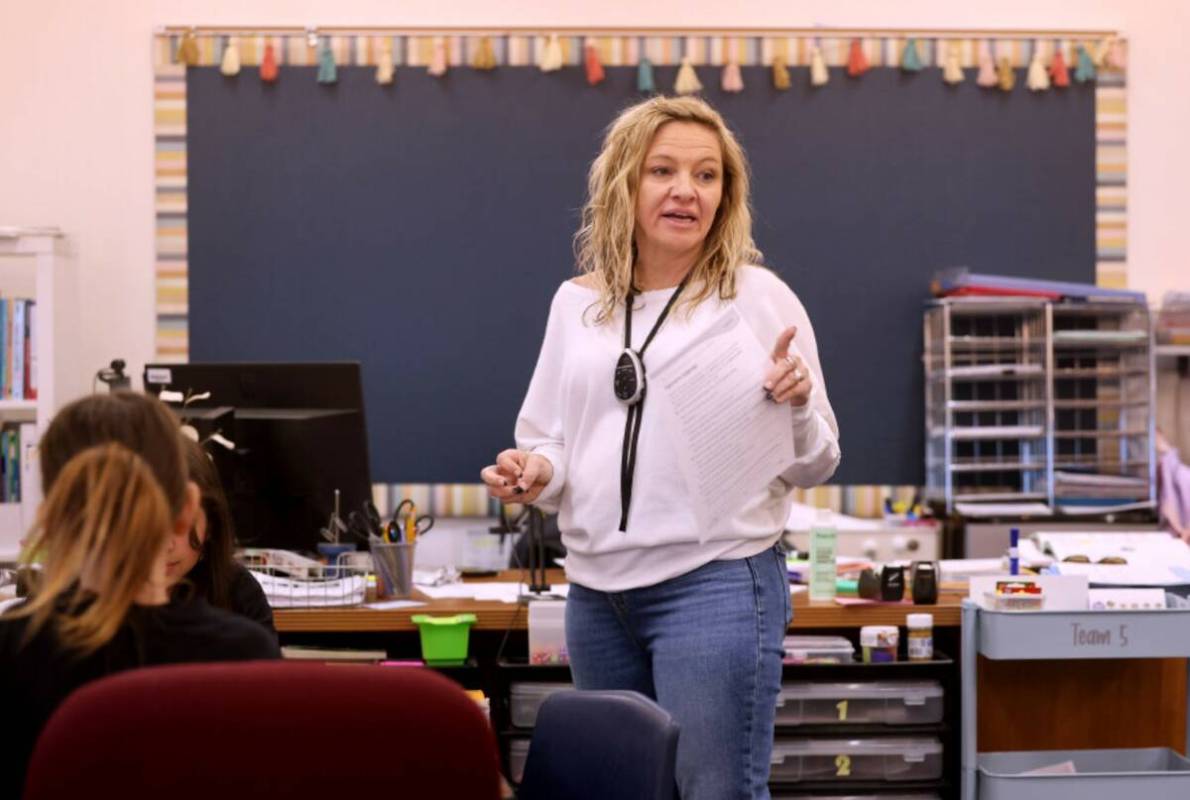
(517, 476)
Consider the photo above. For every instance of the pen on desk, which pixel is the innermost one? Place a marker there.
(1014, 553)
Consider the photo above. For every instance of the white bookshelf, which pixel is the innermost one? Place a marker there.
(32, 261)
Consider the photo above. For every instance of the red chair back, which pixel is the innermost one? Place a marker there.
(267, 730)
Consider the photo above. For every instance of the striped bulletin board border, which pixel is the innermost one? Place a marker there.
(169, 119)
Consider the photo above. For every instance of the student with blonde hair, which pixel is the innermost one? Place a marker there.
(694, 618)
(117, 494)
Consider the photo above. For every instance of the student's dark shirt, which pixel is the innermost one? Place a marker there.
(248, 599)
(245, 597)
(36, 677)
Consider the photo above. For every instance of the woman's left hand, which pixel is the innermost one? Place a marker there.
(788, 380)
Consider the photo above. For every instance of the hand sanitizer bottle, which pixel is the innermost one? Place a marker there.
(823, 571)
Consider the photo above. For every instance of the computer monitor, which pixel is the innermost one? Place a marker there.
(299, 434)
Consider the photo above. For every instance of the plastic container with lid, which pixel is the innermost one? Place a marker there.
(893, 759)
(547, 632)
(818, 650)
(920, 643)
(879, 643)
(875, 702)
(525, 699)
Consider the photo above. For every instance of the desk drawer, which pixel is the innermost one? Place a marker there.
(869, 759)
(876, 702)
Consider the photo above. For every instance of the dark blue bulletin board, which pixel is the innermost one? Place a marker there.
(422, 229)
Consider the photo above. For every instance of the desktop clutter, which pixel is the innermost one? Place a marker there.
(851, 580)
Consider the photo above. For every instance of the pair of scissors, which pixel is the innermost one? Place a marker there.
(405, 524)
(365, 523)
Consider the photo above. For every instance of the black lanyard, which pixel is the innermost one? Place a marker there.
(636, 409)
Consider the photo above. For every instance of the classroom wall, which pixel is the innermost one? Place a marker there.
(76, 115)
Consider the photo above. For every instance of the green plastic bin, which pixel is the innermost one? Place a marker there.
(444, 639)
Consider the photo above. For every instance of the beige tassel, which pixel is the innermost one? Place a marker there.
(438, 59)
(1006, 76)
(687, 82)
(385, 71)
(1038, 79)
(781, 80)
(230, 66)
(952, 67)
(819, 74)
(551, 59)
(485, 56)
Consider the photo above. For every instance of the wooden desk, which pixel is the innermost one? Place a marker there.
(494, 616)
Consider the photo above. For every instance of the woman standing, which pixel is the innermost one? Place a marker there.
(694, 618)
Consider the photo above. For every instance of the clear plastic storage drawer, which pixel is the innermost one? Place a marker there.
(874, 759)
(524, 699)
(887, 703)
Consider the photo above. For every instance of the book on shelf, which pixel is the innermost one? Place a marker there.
(18, 361)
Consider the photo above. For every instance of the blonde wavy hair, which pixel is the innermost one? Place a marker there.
(604, 245)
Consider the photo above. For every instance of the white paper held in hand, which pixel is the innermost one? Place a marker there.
(731, 442)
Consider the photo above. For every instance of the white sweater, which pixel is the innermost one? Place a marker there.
(572, 417)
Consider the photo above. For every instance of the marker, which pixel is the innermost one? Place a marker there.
(411, 524)
(1014, 553)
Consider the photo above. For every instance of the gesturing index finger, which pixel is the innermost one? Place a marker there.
(783, 342)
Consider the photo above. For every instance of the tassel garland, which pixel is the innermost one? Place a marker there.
(1006, 78)
(987, 69)
(857, 60)
(188, 50)
(1084, 69)
(385, 71)
(687, 81)
(438, 60)
(819, 74)
(230, 66)
(910, 58)
(551, 58)
(644, 77)
(1038, 79)
(595, 74)
(485, 56)
(952, 67)
(328, 72)
(732, 80)
(268, 65)
(781, 80)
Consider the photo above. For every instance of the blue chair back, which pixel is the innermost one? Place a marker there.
(600, 745)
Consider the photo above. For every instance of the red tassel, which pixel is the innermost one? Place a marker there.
(1059, 74)
(857, 61)
(268, 66)
(594, 67)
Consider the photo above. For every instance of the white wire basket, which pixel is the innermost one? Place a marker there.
(293, 581)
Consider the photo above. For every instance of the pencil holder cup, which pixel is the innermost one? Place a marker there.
(393, 562)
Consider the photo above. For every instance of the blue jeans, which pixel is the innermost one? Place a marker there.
(707, 646)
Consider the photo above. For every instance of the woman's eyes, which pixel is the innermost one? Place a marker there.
(705, 175)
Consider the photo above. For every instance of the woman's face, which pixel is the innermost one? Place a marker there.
(181, 556)
(681, 184)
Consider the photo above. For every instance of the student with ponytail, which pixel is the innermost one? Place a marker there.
(117, 496)
(203, 557)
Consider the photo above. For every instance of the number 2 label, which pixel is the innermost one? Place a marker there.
(842, 766)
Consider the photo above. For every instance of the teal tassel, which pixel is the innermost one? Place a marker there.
(327, 71)
(644, 77)
(910, 60)
(1085, 70)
